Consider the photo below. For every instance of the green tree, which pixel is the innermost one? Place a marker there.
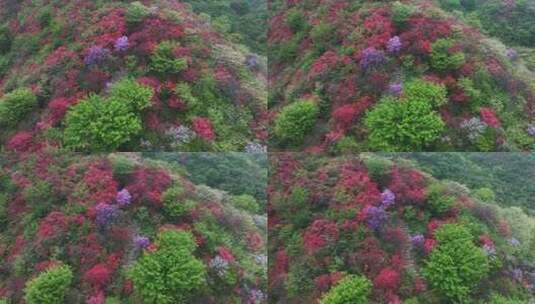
(296, 120)
(136, 13)
(163, 60)
(174, 202)
(457, 265)
(402, 125)
(353, 289)
(425, 91)
(15, 106)
(171, 274)
(132, 94)
(442, 59)
(95, 124)
(49, 287)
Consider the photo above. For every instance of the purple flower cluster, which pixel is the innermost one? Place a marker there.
(121, 44)
(371, 57)
(514, 242)
(123, 197)
(141, 242)
(417, 240)
(256, 296)
(96, 55)
(395, 89)
(106, 213)
(393, 45)
(531, 129)
(387, 198)
(517, 274)
(252, 62)
(511, 54)
(376, 217)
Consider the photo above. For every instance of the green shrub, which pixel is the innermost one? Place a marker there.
(174, 203)
(246, 202)
(132, 94)
(3, 210)
(4, 65)
(322, 34)
(425, 91)
(438, 200)
(287, 51)
(49, 287)
(15, 106)
(401, 13)
(296, 20)
(136, 13)
(95, 124)
(485, 194)
(456, 266)
(296, 120)
(163, 60)
(170, 274)
(451, 4)
(406, 125)
(352, 289)
(184, 91)
(441, 58)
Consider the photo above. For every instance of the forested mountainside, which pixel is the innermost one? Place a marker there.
(506, 178)
(369, 229)
(130, 76)
(122, 228)
(349, 76)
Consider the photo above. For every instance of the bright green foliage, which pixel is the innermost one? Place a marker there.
(442, 59)
(163, 60)
(322, 34)
(174, 203)
(438, 200)
(451, 4)
(132, 94)
(296, 120)
(49, 287)
(15, 106)
(95, 124)
(246, 202)
(485, 194)
(353, 289)
(456, 266)
(403, 125)
(401, 13)
(171, 274)
(183, 90)
(425, 91)
(3, 210)
(287, 51)
(136, 12)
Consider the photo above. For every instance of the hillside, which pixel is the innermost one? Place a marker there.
(122, 228)
(367, 229)
(349, 76)
(128, 76)
(508, 176)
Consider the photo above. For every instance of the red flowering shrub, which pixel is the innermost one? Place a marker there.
(21, 142)
(324, 63)
(51, 226)
(98, 179)
(203, 127)
(226, 254)
(408, 185)
(149, 184)
(254, 241)
(320, 234)
(98, 276)
(489, 117)
(388, 279)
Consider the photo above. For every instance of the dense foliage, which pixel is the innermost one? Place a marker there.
(357, 59)
(122, 228)
(372, 229)
(168, 78)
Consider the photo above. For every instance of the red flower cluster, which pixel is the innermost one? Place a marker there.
(100, 183)
(408, 185)
(149, 184)
(489, 117)
(387, 279)
(98, 276)
(318, 235)
(21, 142)
(203, 127)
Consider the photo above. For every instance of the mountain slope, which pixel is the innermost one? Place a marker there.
(392, 76)
(367, 229)
(121, 228)
(165, 79)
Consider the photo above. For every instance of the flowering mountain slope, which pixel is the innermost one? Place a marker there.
(393, 76)
(123, 75)
(366, 229)
(120, 228)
